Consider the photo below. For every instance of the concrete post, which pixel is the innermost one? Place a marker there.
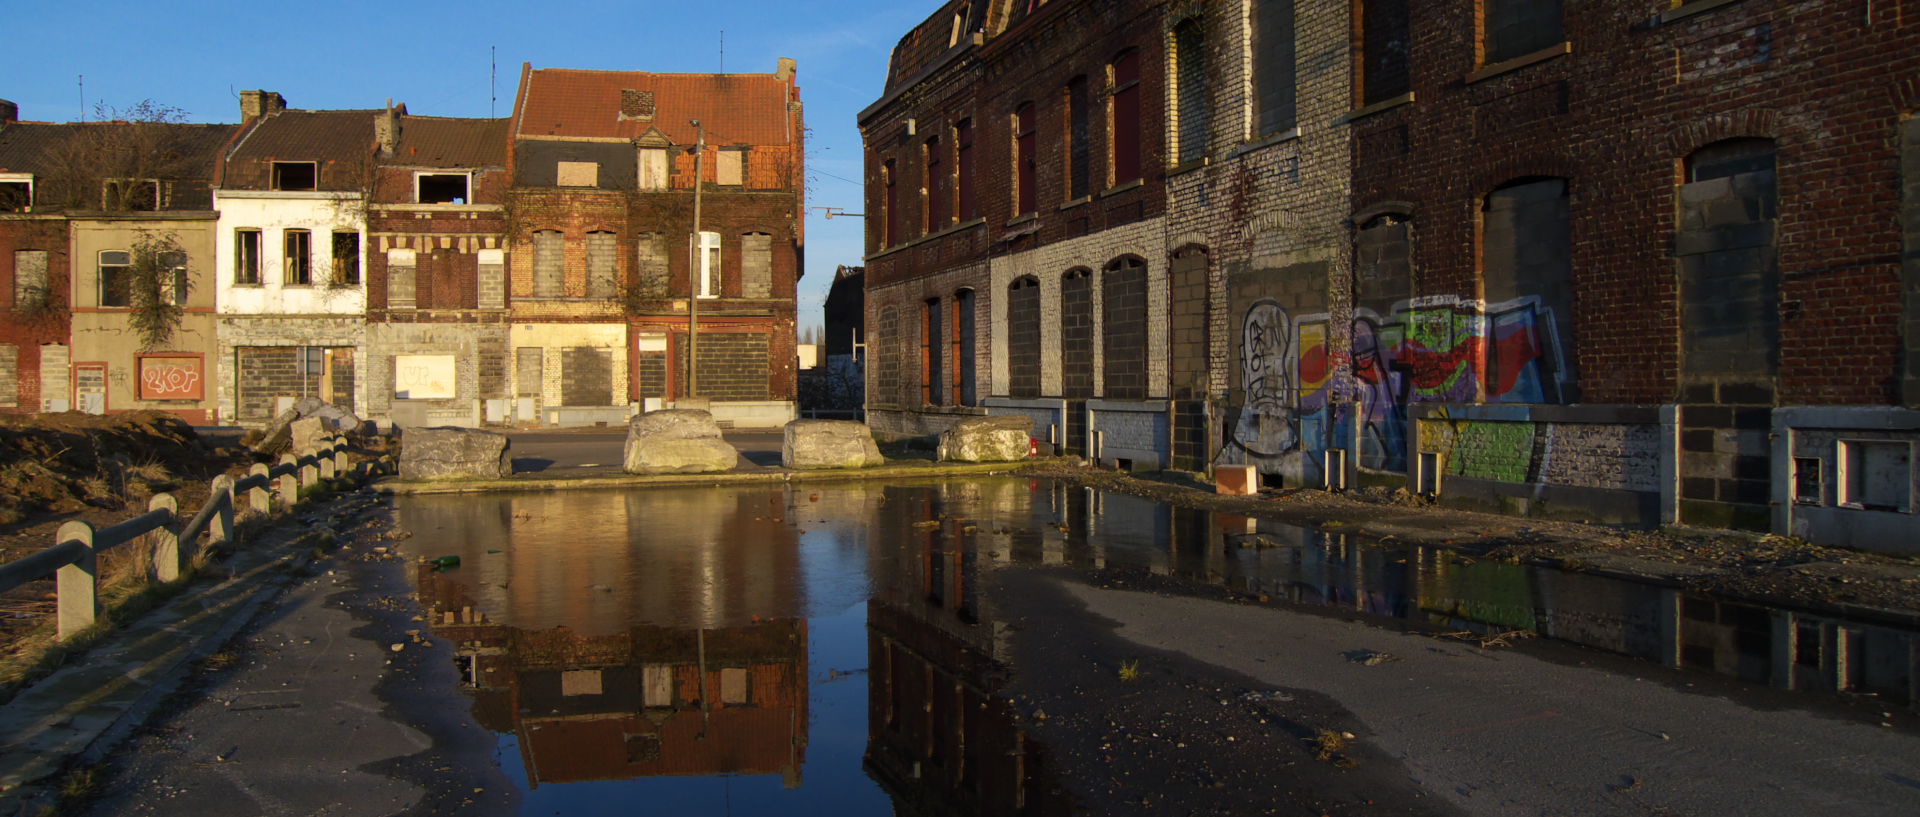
(1786, 645)
(290, 482)
(257, 498)
(325, 457)
(309, 470)
(220, 526)
(74, 584)
(1670, 623)
(166, 538)
(340, 462)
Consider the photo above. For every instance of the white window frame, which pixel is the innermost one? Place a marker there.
(16, 178)
(467, 199)
(710, 260)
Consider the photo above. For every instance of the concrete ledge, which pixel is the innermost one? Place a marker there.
(480, 486)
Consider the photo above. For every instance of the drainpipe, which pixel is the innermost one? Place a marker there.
(693, 270)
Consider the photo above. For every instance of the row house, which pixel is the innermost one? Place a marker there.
(291, 300)
(1423, 245)
(109, 231)
(614, 285)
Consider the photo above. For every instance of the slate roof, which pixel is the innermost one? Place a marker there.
(296, 135)
(748, 109)
(933, 37)
(435, 141)
(25, 147)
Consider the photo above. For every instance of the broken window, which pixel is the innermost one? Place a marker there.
(577, 174)
(16, 192)
(1079, 129)
(173, 278)
(298, 246)
(549, 264)
(1516, 28)
(935, 193)
(296, 176)
(1273, 79)
(963, 170)
(346, 259)
(1190, 89)
(1124, 73)
(653, 169)
(602, 268)
(756, 265)
(1384, 44)
(731, 169)
(709, 265)
(442, 188)
(116, 278)
(246, 257)
(29, 279)
(1024, 168)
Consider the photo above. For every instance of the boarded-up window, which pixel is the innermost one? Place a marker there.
(1516, 28)
(963, 171)
(578, 682)
(586, 376)
(601, 267)
(1023, 338)
(9, 375)
(1729, 269)
(529, 363)
(935, 198)
(1125, 113)
(1273, 80)
(963, 351)
(889, 206)
(1079, 136)
(54, 358)
(1527, 266)
(733, 685)
(29, 278)
(1190, 85)
(578, 174)
(400, 279)
(1385, 43)
(1025, 152)
(733, 366)
(1123, 329)
(756, 265)
(1076, 335)
(656, 684)
(653, 169)
(930, 341)
(549, 264)
(651, 350)
(732, 167)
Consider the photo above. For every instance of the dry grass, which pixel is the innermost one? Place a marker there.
(1501, 639)
(1129, 671)
(1330, 746)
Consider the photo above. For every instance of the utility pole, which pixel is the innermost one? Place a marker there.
(697, 255)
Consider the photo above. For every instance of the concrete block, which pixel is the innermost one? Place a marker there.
(1236, 480)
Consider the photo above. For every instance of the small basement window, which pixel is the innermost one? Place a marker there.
(441, 188)
(296, 176)
(1807, 489)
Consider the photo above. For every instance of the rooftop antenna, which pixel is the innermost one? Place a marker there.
(723, 51)
(493, 76)
(83, 96)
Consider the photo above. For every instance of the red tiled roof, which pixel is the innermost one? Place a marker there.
(749, 109)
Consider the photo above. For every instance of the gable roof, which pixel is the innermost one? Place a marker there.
(308, 135)
(438, 141)
(746, 109)
(31, 147)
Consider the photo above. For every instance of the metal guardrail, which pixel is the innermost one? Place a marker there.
(73, 561)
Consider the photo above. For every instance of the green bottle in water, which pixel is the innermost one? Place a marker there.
(446, 562)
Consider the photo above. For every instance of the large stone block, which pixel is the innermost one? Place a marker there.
(454, 453)
(829, 444)
(307, 432)
(1003, 438)
(677, 441)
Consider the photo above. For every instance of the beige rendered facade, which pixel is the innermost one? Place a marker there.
(113, 370)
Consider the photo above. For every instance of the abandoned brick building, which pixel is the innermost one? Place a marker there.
(1635, 260)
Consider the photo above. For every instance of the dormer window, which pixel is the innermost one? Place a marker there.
(296, 176)
(442, 188)
(16, 192)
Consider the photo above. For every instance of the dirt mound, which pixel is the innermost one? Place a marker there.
(61, 463)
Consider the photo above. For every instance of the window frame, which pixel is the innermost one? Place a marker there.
(1192, 122)
(966, 204)
(174, 286)
(1484, 35)
(287, 258)
(246, 257)
(420, 175)
(711, 257)
(19, 178)
(1026, 187)
(125, 273)
(1125, 130)
(1257, 87)
(277, 178)
(334, 269)
(1077, 143)
(932, 195)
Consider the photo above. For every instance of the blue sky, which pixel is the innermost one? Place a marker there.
(197, 55)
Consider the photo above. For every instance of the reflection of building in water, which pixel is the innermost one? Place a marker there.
(940, 739)
(645, 702)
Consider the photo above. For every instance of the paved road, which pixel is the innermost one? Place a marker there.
(599, 450)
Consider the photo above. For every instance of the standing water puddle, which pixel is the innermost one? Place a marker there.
(756, 650)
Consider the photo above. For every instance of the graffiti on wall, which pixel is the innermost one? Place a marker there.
(171, 378)
(1268, 365)
(1614, 456)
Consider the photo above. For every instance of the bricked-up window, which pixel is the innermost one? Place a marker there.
(1385, 42)
(297, 258)
(650, 259)
(1023, 337)
(1076, 334)
(963, 171)
(756, 265)
(9, 375)
(934, 203)
(346, 259)
(29, 279)
(1727, 251)
(930, 337)
(1191, 106)
(296, 176)
(889, 206)
(1516, 28)
(1124, 73)
(1187, 331)
(549, 264)
(116, 278)
(1025, 150)
(602, 264)
(1079, 140)
(709, 265)
(1273, 66)
(962, 393)
(1123, 329)
(1526, 267)
(246, 257)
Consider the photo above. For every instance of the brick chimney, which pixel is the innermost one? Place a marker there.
(9, 113)
(386, 127)
(786, 69)
(260, 103)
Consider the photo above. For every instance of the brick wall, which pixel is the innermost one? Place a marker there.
(246, 394)
(29, 330)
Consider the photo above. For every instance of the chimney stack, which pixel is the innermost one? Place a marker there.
(785, 72)
(9, 113)
(260, 103)
(386, 128)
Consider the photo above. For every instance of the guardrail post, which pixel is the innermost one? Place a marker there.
(220, 527)
(74, 584)
(325, 457)
(341, 463)
(166, 538)
(258, 498)
(309, 470)
(289, 482)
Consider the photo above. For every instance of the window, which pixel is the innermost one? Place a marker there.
(652, 265)
(29, 278)
(602, 270)
(1024, 151)
(756, 265)
(299, 258)
(653, 169)
(1191, 107)
(963, 170)
(1079, 152)
(346, 259)
(132, 194)
(962, 393)
(16, 192)
(1273, 46)
(709, 265)
(246, 257)
(577, 174)
(930, 337)
(1124, 111)
(1384, 48)
(296, 176)
(1876, 475)
(889, 206)
(549, 260)
(1516, 28)
(173, 278)
(935, 191)
(731, 169)
(116, 278)
(1526, 263)
(441, 188)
